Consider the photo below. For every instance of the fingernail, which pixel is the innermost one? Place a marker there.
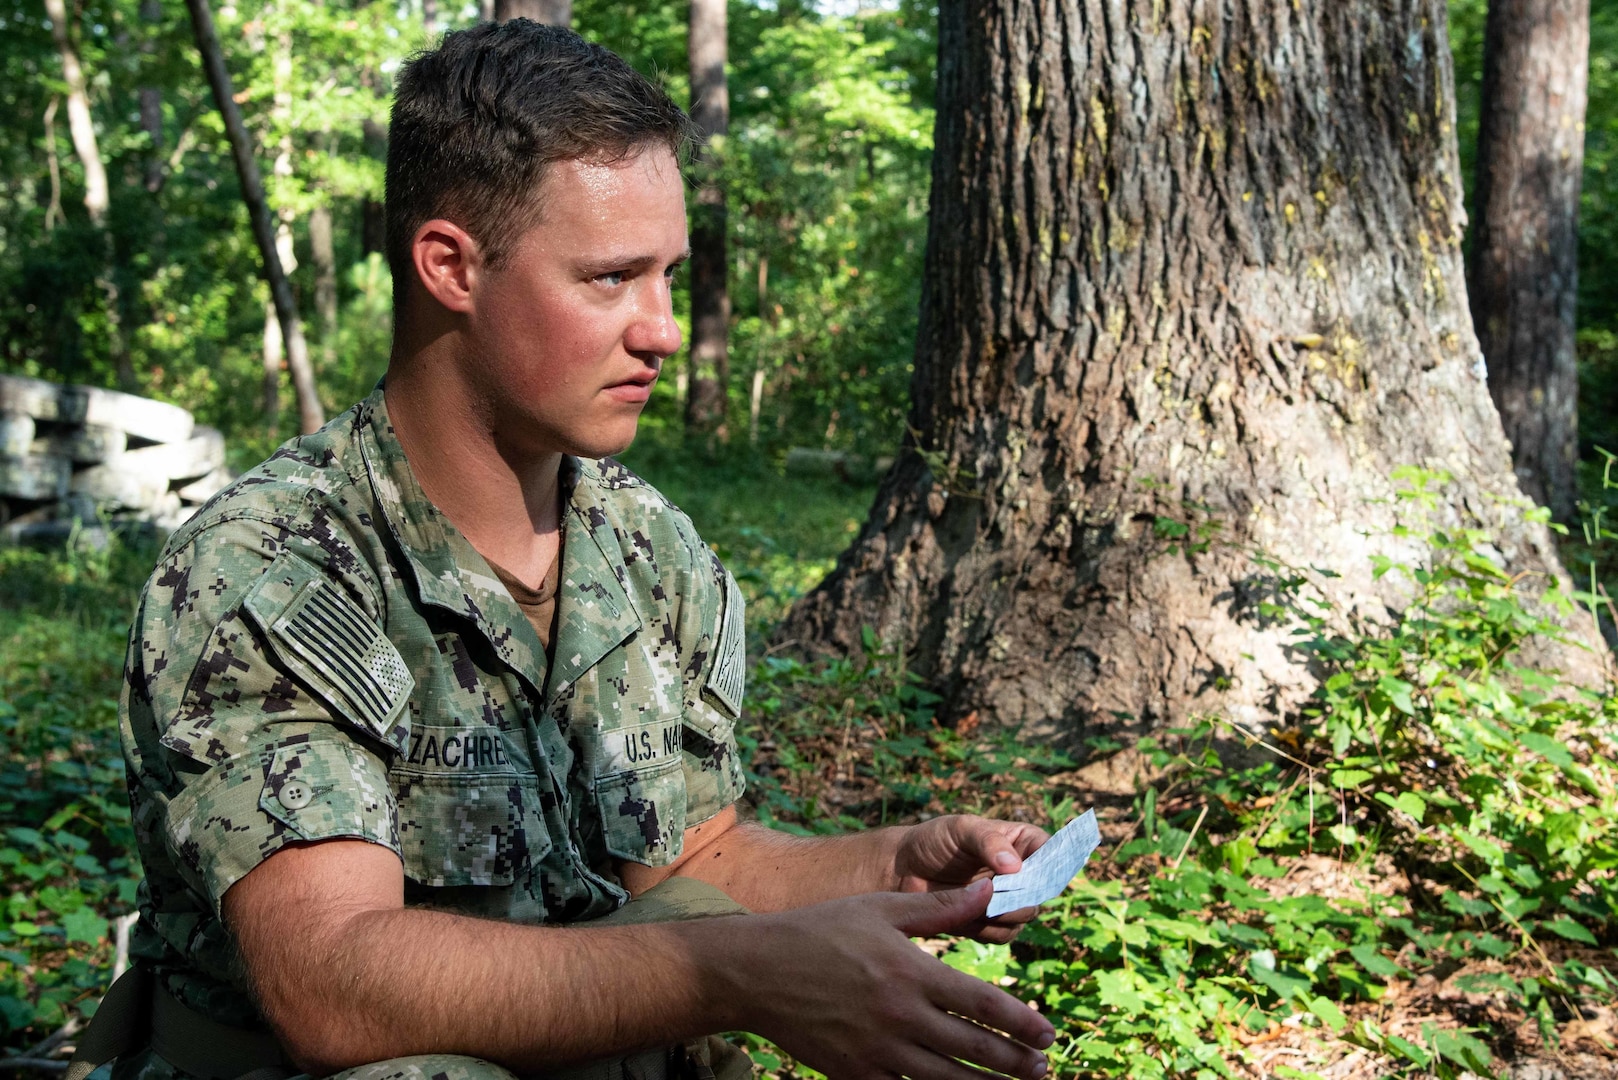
(1040, 1067)
(1004, 860)
(978, 887)
(1045, 1040)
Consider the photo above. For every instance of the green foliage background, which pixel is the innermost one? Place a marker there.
(1426, 749)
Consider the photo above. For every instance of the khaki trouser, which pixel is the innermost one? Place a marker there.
(157, 1038)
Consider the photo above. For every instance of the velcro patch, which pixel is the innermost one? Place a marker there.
(728, 680)
(337, 646)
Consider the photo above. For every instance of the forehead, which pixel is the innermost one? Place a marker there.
(643, 187)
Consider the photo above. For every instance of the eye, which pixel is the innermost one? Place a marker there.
(611, 278)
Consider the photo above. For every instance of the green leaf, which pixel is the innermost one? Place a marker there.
(1118, 991)
(1349, 778)
(1263, 968)
(1546, 747)
(1461, 1048)
(1329, 1013)
(1571, 930)
(1398, 692)
(1412, 804)
(1409, 1051)
(84, 925)
(1169, 529)
(1373, 961)
(15, 1013)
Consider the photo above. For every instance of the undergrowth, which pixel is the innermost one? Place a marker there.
(1420, 871)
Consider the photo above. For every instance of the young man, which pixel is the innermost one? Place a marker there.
(419, 703)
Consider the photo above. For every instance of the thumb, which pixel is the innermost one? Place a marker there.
(928, 913)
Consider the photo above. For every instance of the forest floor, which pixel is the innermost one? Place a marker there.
(830, 772)
(1228, 926)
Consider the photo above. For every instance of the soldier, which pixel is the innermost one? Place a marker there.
(416, 706)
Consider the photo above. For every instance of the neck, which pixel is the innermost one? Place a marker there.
(503, 499)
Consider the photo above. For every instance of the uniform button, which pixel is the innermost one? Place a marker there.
(295, 795)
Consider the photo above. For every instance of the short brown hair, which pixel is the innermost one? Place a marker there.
(478, 121)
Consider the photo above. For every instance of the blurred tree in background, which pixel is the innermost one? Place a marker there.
(825, 168)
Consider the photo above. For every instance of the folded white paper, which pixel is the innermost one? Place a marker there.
(1046, 873)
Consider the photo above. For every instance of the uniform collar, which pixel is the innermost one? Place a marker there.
(595, 615)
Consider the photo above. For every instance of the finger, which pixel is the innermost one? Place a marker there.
(992, 843)
(921, 1063)
(1030, 840)
(990, 934)
(929, 913)
(992, 1007)
(977, 1045)
(1015, 919)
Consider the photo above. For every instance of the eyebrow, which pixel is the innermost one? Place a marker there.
(637, 262)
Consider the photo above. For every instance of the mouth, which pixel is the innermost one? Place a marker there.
(635, 389)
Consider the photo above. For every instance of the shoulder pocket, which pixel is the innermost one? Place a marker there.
(329, 642)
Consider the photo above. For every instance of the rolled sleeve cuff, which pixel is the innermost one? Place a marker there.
(713, 769)
(234, 816)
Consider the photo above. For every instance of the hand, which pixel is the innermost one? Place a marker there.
(846, 991)
(948, 852)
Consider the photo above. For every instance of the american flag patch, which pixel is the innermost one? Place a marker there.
(332, 635)
(728, 680)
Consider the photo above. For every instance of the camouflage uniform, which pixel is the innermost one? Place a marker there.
(320, 653)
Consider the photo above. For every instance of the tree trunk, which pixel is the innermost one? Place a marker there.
(53, 167)
(1524, 272)
(310, 414)
(1189, 261)
(97, 196)
(708, 391)
(151, 98)
(551, 12)
(79, 124)
(324, 254)
(373, 215)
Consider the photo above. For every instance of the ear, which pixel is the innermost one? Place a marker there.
(447, 262)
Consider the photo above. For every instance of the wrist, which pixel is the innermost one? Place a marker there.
(732, 960)
(890, 860)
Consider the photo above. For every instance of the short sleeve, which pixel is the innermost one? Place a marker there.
(714, 638)
(275, 699)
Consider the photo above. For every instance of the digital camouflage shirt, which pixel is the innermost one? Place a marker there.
(320, 654)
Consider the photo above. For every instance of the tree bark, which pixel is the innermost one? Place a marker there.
(1193, 261)
(79, 124)
(322, 250)
(151, 99)
(1524, 271)
(53, 167)
(373, 215)
(550, 12)
(310, 414)
(708, 391)
(97, 195)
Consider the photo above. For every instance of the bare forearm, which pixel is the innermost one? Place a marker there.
(770, 871)
(347, 975)
(394, 983)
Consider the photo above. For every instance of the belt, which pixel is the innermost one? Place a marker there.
(138, 1012)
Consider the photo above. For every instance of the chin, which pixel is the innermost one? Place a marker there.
(600, 444)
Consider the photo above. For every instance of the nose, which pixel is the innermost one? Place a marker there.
(654, 330)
